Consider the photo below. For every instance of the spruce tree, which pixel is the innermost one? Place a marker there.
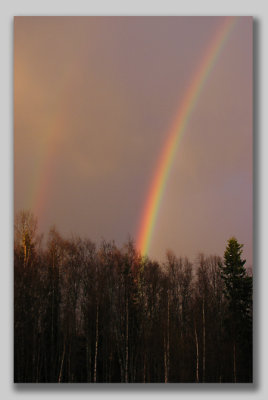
(238, 292)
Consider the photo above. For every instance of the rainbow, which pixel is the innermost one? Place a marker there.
(165, 161)
(53, 130)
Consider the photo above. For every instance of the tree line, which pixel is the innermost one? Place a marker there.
(87, 313)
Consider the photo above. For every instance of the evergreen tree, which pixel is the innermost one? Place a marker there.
(238, 292)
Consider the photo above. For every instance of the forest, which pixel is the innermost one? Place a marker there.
(98, 313)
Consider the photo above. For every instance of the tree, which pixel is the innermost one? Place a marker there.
(208, 311)
(26, 295)
(25, 237)
(84, 313)
(238, 291)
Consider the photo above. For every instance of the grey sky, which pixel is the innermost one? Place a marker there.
(94, 101)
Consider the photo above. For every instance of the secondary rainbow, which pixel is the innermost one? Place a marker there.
(174, 136)
(52, 134)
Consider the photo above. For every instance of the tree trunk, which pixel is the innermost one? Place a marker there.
(144, 370)
(88, 361)
(61, 366)
(234, 359)
(126, 345)
(197, 355)
(204, 340)
(165, 361)
(96, 344)
(166, 345)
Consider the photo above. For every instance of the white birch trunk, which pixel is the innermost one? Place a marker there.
(204, 340)
(126, 348)
(166, 346)
(197, 355)
(96, 344)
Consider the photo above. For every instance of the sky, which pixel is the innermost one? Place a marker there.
(94, 100)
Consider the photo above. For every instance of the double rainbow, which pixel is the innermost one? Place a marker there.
(165, 161)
